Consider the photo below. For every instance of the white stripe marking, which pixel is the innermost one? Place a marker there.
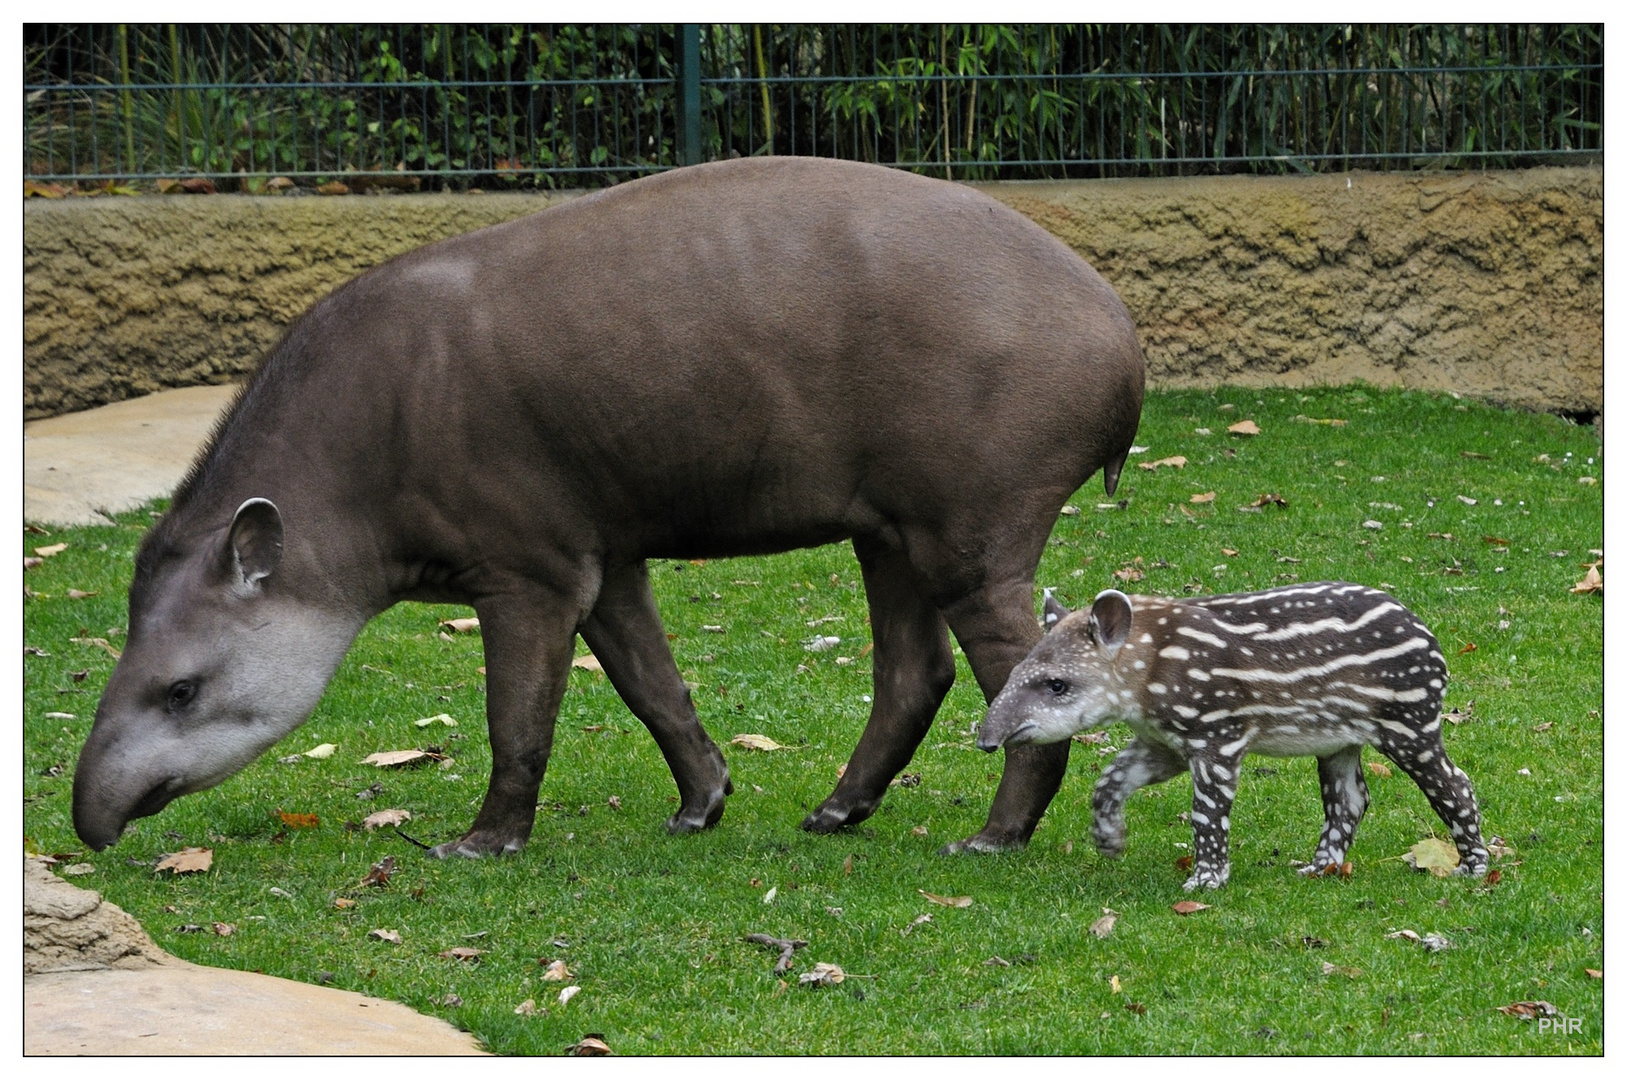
(1199, 635)
(1349, 660)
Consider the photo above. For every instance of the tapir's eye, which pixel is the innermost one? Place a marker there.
(181, 695)
(1058, 686)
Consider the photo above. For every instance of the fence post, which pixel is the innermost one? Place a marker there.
(689, 94)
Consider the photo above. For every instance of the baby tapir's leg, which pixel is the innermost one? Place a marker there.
(1215, 766)
(1137, 765)
(1450, 794)
(1344, 801)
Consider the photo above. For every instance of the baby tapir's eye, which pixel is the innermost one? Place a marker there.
(180, 695)
(1057, 686)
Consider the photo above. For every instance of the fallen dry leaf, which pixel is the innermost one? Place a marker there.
(556, 971)
(50, 549)
(1113, 984)
(1438, 857)
(1378, 768)
(1269, 499)
(30, 563)
(1136, 1007)
(385, 759)
(77, 594)
(919, 830)
(592, 1046)
(325, 750)
(1228, 551)
(1103, 926)
(917, 921)
(223, 929)
(528, 1007)
(1592, 582)
(97, 643)
(1175, 462)
(190, 860)
(1469, 648)
(823, 974)
(378, 875)
(566, 994)
(343, 902)
(1528, 1010)
(587, 663)
(297, 821)
(198, 185)
(381, 818)
(461, 952)
(1335, 969)
(385, 935)
(1593, 973)
(1188, 907)
(333, 187)
(1206, 497)
(755, 742)
(947, 901)
(460, 626)
(438, 718)
(1128, 573)
(1244, 427)
(1327, 423)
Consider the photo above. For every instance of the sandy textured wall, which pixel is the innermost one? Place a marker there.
(1489, 284)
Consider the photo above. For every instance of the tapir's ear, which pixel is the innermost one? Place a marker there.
(1054, 611)
(254, 544)
(1110, 621)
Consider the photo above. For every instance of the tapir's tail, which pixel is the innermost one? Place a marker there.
(1110, 471)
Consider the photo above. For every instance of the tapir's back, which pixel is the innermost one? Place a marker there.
(750, 355)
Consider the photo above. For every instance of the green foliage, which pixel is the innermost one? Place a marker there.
(652, 925)
(554, 104)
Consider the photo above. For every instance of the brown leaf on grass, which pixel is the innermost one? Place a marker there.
(298, 821)
(1326, 423)
(1188, 907)
(1206, 497)
(947, 901)
(461, 952)
(847, 865)
(197, 185)
(555, 971)
(1378, 768)
(1244, 427)
(566, 994)
(1496, 541)
(1335, 969)
(1136, 1007)
(1114, 986)
(587, 663)
(190, 860)
(1546, 725)
(917, 921)
(823, 974)
(1434, 855)
(1128, 573)
(50, 550)
(1493, 877)
(919, 830)
(30, 563)
(755, 742)
(79, 594)
(386, 759)
(1228, 551)
(390, 936)
(592, 1046)
(333, 187)
(378, 875)
(97, 643)
(1474, 456)
(223, 929)
(1528, 1010)
(1469, 648)
(381, 818)
(1104, 925)
(343, 902)
(1592, 582)
(528, 1007)
(1593, 973)
(460, 626)
(1175, 462)
(1269, 499)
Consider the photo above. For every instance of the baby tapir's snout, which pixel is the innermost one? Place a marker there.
(1320, 669)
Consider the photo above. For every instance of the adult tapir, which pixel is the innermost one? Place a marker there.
(737, 358)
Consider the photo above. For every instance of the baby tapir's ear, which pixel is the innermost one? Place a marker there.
(1110, 621)
(1054, 611)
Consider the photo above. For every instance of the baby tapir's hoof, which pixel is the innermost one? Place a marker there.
(1208, 878)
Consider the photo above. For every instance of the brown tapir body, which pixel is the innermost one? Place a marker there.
(732, 359)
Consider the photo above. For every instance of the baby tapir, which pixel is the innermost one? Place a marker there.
(1321, 669)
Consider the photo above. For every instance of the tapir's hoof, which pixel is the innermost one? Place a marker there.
(475, 846)
(696, 819)
(982, 843)
(1208, 878)
(831, 815)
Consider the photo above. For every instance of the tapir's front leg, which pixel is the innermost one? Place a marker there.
(528, 638)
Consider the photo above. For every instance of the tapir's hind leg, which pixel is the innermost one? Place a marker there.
(996, 628)
(625, 633)
(528, 634)
(914, 669)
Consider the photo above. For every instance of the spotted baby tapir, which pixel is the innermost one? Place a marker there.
(1321, 669)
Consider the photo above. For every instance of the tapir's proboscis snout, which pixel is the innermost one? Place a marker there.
(738, 358)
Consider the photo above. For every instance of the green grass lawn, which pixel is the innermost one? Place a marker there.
(651, 926)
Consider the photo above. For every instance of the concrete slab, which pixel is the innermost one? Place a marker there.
(80, 468)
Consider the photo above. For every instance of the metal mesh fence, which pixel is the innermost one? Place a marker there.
(526, 105)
